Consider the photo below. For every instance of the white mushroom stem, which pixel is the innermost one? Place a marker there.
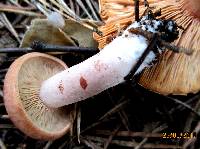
(96, 74)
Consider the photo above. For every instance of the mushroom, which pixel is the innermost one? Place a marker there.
(173, 73)
(34, 82)
(37, 87)
(21, 97)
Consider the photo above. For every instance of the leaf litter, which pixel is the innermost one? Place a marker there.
(121, 117)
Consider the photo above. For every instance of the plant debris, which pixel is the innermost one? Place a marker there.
(126, 116)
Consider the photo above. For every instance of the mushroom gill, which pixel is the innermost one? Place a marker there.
(23, 104)
(173, 73)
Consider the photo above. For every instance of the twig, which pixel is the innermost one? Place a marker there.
(134, 144)
(115, 109)
(14, 2)
(72, 5)
(47, 146)
(31, 4)
(1, 93)
(7, 126)
(130, 76)
(107, 114)
(20, 10)
(70, 12)
(42, 47)
(88, 143)
(4, 117)
(146, 3)
(111, 137)
(176, 49)
(121, 113)
(9, 26)
(170, 46)
(185, 105)
(95, 5)
(130, 134)
(192, 117)
(78, 123)
(77, 9)
(63, 11)
(137, 17)
(188, 125)
(94, 125)
(180, 107)
(84, 9)
(3, 70)
(37, 45)
(12, 50)
(192, 140)
(92, 9)
(158, 129)
(2, 145)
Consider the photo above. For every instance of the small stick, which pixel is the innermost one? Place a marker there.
(131, 144)
(42, 47)
(146, 3)
(106, 115)
(2, 145)
(130, 76)
(9, 26)
(185, 105)
(13, 50)
(92, 9)
(107, 143)
(19, 10)
(137, 17)
(80, 3)
(168, 45)
(4, 117)
(156, 130)
(38, 45)
(176, 49)
(66, 14)
(130, 134)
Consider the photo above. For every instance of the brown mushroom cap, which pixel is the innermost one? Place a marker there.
(174, 73)
(21, 97)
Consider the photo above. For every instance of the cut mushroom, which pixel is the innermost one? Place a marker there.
(22, 101)
(174, 73)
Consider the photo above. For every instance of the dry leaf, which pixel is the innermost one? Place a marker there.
(80, 33)
(42, 30)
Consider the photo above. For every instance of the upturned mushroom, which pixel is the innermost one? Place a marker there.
(174, 73)
(37, 86)
(21, 97)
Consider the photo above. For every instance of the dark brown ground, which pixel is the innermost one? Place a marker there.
(126, 116)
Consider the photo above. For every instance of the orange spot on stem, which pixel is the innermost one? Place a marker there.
(83, 83)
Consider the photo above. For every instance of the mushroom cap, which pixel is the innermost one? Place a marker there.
(174, 73)
(21, 97)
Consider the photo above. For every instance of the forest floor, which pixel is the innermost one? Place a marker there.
(125, 116)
